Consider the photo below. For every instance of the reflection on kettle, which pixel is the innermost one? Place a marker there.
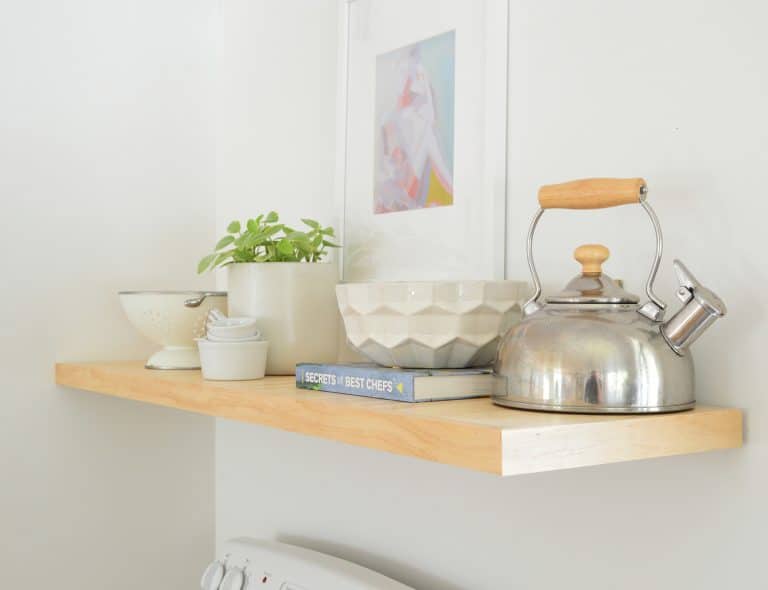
(593, 388)
(593, 347)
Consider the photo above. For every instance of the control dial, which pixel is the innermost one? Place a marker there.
(212, 576)
(233, 579)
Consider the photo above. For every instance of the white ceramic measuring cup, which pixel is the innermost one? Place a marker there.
(231, 329)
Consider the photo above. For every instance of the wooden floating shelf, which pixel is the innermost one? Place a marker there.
(470, 433)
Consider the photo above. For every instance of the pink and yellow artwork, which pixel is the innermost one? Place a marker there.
(414, 125)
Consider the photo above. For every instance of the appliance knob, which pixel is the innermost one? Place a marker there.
(212, 576)
(233, 579)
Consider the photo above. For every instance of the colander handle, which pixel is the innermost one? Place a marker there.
(597, 193)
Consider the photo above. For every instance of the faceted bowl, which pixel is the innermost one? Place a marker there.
(433, 325)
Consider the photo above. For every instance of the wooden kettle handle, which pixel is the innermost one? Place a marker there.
(592, 193)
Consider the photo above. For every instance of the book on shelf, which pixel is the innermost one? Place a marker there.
(407, 385)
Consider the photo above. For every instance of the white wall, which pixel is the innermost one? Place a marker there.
(674, 91)
(275, 109)
(106, 168)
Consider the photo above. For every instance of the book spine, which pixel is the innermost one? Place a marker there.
(365, 381)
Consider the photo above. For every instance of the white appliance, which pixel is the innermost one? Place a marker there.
(251, 564)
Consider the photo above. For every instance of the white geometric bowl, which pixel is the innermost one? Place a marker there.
(444, 324)
(162, 317)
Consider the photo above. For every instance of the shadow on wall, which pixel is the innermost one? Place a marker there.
(397, 570)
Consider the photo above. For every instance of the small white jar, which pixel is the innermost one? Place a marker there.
(233, 361)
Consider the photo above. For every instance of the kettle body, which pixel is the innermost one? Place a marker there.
(593, 348)
(608, 360)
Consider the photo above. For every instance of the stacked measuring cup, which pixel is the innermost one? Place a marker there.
(232, 349)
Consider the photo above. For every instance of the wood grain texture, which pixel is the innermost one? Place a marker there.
(471, 433)
(591, 193)
(591, 257)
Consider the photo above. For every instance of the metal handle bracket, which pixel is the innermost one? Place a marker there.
(653, 309)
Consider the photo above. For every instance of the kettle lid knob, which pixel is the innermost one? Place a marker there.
(591, 257)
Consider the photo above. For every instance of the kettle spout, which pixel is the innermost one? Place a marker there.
(701, 307)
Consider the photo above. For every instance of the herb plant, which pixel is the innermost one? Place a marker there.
(263, 239)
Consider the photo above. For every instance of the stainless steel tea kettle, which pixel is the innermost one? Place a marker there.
(593, 348)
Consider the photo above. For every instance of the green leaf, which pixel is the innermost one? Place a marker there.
(272, 230)
(240, 255)
(205, 263)
(252, 225)
(296, 235)
(285, 247)
(311, 223)
(328, 231)
(221, 258)
(234, 227)
(224, 242)
(330, 244)
(271, 217)
(251, 239)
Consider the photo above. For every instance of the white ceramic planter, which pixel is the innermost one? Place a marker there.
(295, 306)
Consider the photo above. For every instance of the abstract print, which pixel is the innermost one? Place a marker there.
(413, 154)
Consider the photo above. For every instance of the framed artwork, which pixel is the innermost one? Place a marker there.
(421, 175)
(414, 138)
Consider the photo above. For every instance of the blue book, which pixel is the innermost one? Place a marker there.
(405, 385)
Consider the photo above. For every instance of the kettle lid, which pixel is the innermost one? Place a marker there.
(592, 286)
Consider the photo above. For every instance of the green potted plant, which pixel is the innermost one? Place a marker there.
(281, 277)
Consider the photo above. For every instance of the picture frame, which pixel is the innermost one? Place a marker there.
(393, 238)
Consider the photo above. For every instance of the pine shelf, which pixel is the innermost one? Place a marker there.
(472, 433)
